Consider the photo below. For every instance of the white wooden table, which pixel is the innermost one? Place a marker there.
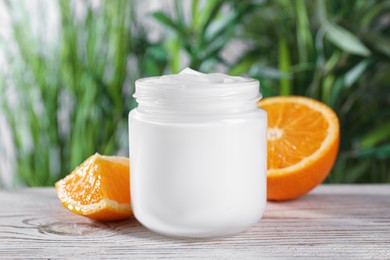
(333, 221)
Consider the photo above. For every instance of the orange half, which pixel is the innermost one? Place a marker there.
(303, 139)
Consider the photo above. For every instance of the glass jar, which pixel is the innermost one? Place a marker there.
(198, 154)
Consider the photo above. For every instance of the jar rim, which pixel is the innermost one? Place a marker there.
(197, 96)
(152, 82)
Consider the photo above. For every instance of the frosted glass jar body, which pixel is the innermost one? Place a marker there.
(204, 176)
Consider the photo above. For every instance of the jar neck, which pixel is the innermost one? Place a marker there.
(188, 100)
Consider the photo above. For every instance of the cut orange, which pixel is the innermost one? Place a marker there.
(303, 140)
(99, 188)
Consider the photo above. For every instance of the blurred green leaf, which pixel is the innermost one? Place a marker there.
(382, 152)
(268, 72)
(332, 61)
(379, 42)
(355, 73)
(174, 53)
(244, 65)
(210, 11)
(195, 14)
(356, 172)
(345, 40)
(347, 80)
(167, 21)
(179, 13)
(322, 12)
(327, 88)
(375, 136)
(304, 37)
(284, 66)
(373, 12)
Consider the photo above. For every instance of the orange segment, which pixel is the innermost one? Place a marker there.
(303, 139)
(99, 188)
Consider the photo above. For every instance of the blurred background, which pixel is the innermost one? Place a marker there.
(67, 72)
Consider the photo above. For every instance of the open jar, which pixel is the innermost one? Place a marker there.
(198, 154)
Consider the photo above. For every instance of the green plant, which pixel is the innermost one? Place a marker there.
(336, 52)
(202, 37)
(73, 97)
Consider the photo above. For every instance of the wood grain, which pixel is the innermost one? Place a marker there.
(334, 221)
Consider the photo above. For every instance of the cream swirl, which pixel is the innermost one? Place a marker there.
(189, 77)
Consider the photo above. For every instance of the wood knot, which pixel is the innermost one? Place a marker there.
(69, 229)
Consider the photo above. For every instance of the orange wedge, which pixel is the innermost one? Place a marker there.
(303, 139)
(98, 189)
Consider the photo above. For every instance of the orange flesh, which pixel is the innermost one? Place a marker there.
(99, 188)
(294, 132)
(303, 139)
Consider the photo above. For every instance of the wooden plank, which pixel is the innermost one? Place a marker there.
(334, 221)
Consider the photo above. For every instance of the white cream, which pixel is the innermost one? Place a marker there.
(189, 77)
(198, 154)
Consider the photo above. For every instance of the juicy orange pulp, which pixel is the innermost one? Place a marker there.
(99, 188)
(303, 138)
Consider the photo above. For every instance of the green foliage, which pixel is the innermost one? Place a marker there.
(79, 93)
(336, 52)
(203, 37)
(71, 97)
